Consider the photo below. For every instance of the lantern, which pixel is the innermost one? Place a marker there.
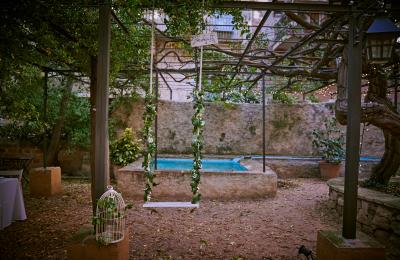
(381, 36)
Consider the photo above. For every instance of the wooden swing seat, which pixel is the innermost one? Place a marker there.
(170, 205)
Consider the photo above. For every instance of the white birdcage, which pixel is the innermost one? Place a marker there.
(110, 217)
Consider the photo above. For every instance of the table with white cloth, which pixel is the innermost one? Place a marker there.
(11, 202)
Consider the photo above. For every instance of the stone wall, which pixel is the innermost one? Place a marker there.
(18, 149)
(74, 162)
(233, 129)
(237, 128)
(378, 215)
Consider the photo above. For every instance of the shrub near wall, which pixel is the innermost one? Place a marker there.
(237, 128)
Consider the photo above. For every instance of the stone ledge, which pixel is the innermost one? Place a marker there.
(214, 185)
(378, 197)
(378, 215)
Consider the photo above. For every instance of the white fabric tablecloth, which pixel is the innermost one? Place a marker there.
(11, 202)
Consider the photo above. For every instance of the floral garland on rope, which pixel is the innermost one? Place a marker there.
(197, 140)
(149, 116)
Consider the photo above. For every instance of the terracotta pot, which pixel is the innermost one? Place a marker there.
(87, 248)
(329, 170)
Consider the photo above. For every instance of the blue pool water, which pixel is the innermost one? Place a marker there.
(308, 158)
(208, 164)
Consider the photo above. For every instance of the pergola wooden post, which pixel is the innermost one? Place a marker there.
(354, 58)
(101, 177)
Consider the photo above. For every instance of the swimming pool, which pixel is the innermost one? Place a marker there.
(307, 158)
(221, 165)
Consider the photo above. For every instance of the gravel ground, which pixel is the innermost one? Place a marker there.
(270, 228)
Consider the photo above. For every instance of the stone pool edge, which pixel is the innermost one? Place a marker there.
(175, 184)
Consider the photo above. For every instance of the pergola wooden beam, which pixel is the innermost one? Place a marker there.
(249, 5)
(253, 37)
(301, 43)
(119, 22)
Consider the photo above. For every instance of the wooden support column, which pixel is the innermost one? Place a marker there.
(93, 87)
(45, 97)
(354, 58)
(263, 119)
(101, 157)
(395, 73)
(156, 123)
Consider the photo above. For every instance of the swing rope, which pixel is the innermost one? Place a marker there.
(198, 125)
(362, 139)
(197, 140)
(152, 51)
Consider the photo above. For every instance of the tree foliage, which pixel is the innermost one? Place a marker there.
(40, 35)
(60, 39)
(22, 105)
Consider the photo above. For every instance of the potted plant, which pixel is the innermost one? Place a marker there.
(329, 143)
(124, 151)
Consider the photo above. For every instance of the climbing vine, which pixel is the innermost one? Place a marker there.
(197, 142)
(150, 146)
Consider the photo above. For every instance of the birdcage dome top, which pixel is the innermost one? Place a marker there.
(114, 195)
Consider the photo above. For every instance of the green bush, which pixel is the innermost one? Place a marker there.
(329, 142)
(125, 150)
(313, 98)
(284, 98)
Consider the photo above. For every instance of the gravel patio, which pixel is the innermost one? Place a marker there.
(271, 228)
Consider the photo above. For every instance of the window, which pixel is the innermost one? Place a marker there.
(224, 35)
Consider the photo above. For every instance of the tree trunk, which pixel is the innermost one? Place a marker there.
(378, 111)
(54, 147)
(93, 84)
(390, 162)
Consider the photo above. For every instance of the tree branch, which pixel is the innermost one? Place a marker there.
(298, 19)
